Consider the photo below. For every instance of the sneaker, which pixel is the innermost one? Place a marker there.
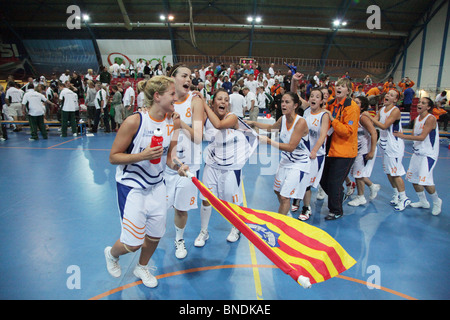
(402, 204)
(306, 213)
(295, 205)
(436, 207)
(374, 188)
(358, 201)
(143, 273)
(32, 139)
(350, 188)
(201, 239)
(320, 194)
(112, 263)
(420, 204)
(394, 201)
(2, 139)
(74, 134)
(180, 249)
(333, 216)
(234, 235)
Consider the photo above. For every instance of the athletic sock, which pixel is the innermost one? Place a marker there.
(179, 233)
(395, 192)
(422, 196)
(402, 195)
(205, 214)
(434, 197)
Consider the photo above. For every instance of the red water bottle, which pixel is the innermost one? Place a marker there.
(157, 141)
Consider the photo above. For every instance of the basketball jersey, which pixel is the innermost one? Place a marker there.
(391, 145)
(314, 122)
(430, 146)
(143, 174)
(299, 158)
(364, 139)
(227, 149)
(187, 151)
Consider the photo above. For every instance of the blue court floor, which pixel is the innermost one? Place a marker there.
(58, 211)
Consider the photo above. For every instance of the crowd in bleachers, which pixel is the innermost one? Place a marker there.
(105, 99)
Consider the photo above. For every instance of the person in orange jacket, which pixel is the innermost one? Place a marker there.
(343, 146)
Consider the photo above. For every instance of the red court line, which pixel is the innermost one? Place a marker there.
(232, 266)
(64, 142)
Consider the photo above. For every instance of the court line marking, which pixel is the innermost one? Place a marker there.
(256, 277)
(236, 266)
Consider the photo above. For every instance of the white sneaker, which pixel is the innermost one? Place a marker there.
(320, 194)
(420, 204)
(374, 188)
(350, 188)
(201, 239)
(112, 264)
(436, 207)
(234, 235)
(180, 249)
(358, 201)
(402, 204)
(143, 273)
(306, 213)
(394, 201)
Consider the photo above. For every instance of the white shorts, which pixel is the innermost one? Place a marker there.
(224, 184)
(15, 109)
(420, 170)
(315, 172)
(391, 165)
(142, 213)
(182, 194)
(362, 168)
(291, 183)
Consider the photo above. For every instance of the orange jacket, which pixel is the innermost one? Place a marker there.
(344, 140)
(405, 86)
(438, 112)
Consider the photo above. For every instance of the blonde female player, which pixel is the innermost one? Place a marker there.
(225, 156)
(140, 184)
(426, 152)
(367, 151)
(291, 178)
(392, 148)
(182, 193)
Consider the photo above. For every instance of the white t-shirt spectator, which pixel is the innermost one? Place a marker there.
(69, 99)
(99, 97)
(249, 98)
(237, 104)
(14, 95)
(35, 101)
(128, 97)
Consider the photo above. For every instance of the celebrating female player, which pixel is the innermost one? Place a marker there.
(225, 157)
(367, 151)
(424, 158)
(140, 183)
(182, 193)
(291, 178)
(392, 148)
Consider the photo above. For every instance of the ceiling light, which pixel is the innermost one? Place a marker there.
(250, 19)
(258, 19)
(336, 22)
(344, 23)
(162, 17)
(170, 17)
(86, 17)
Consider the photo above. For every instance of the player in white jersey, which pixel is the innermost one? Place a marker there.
(391, 147)
(182, 193)
(225, 157)
(140, 184)
(426, 151)
(367, 151)
(318, 124)
(291, 177)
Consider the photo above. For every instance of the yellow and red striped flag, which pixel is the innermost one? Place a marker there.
(306, 253)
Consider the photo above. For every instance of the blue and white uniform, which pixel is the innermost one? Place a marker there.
(291, 179)
(141, 186)
(314, 122)
(182, 193)
(225, 156)
(362, 168)
(392, 148)
(425, 155)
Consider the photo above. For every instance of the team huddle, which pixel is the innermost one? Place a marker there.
(320, 149)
